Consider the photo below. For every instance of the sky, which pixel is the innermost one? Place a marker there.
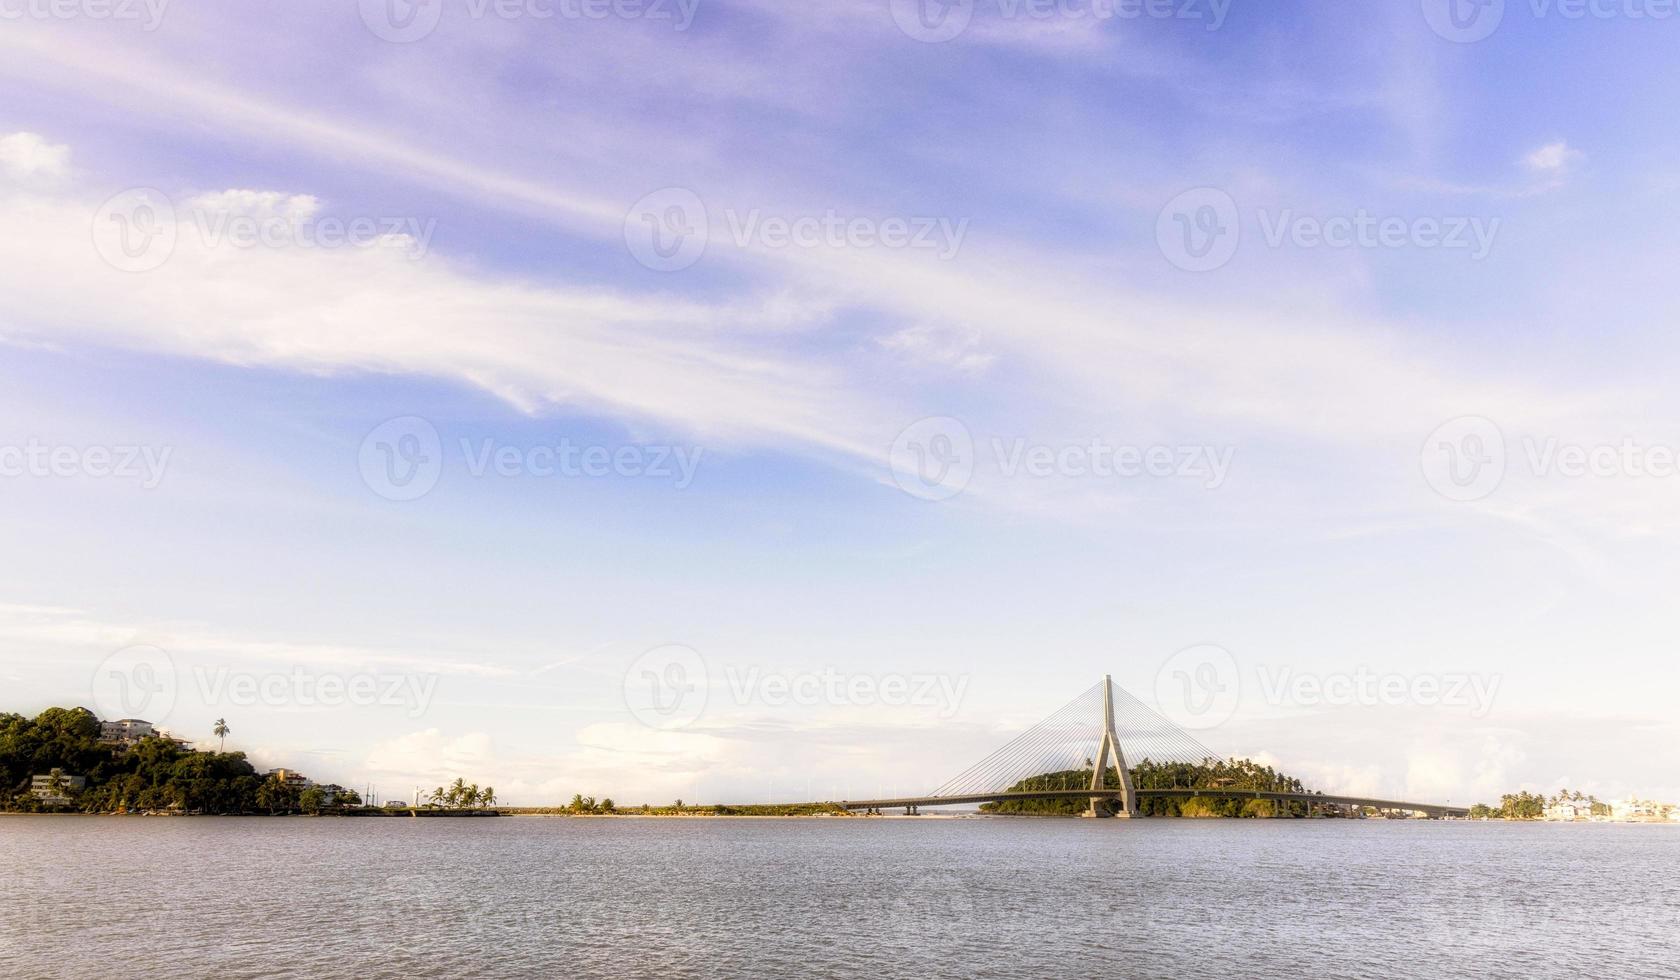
(737, 400)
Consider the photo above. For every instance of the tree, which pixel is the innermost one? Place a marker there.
(488, 797)
(607, 806)
(56, 783)
(221, 731)
(577, 802)
(311, 800)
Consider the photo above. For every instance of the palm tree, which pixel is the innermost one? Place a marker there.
(577, 802)
(221, 731)
(457, 790)
(488, 797)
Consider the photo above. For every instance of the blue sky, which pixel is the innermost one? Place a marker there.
(506, 170)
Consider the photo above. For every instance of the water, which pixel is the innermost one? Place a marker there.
(559, 897)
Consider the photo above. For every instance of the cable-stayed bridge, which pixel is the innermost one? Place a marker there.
(1088, 749)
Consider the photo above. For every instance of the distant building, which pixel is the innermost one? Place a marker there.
(330, 792)
(1569, 810)
(43, 789)
(1635, 810)
(291, 777)
(125, 732)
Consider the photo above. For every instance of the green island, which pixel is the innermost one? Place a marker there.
(1222, 778)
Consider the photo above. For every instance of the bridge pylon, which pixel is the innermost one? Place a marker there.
(1111, 744)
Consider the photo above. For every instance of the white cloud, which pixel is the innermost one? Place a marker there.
(25, 627)
(1553, 158)
(28, 156)
(433, 757)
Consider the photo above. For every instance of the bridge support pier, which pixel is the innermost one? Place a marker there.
(1111, 745)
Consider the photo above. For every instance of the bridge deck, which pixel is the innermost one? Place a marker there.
(1433, 809)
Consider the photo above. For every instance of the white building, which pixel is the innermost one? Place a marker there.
(1635, 810)
(1569, 810)
(43, 789)
(125, 732)
(291, 777)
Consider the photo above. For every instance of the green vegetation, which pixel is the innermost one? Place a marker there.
(154, 774)
(1225, 781)
(461, 795)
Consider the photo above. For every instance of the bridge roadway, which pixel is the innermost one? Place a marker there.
(1430, 809)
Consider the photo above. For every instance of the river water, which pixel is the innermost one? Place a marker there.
(856, 898)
